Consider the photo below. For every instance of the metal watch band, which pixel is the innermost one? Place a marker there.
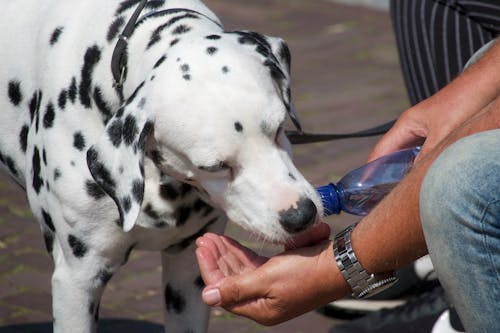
(362, 283)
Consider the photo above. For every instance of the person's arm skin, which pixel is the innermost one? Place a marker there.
(436, 117)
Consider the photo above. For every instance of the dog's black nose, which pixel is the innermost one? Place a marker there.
(297, 219)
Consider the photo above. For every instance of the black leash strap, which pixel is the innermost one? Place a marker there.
(298, 138)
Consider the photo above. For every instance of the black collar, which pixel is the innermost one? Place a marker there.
(118, 60)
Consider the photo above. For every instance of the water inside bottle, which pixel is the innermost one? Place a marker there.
(361, 201)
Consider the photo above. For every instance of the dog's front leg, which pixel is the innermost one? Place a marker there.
(77, 285)
(182, 285)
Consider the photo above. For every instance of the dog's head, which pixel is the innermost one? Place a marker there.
(211, 114)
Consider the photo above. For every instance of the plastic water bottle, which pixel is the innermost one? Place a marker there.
(363, 188)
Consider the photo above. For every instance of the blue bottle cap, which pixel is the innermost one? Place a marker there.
(330, 199)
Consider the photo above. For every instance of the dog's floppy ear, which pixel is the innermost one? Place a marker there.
(116, 160)
(281, 53)
(277, 58)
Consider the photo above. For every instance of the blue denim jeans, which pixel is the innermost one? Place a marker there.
(460, 213)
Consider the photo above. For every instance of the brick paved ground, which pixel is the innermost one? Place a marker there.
(345, 77)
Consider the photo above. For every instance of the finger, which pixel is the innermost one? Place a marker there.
(236, 290)
(209, 269)
(315, 234)
(227, 260)
(246, 256)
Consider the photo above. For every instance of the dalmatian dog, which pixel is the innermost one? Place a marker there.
(142, 125)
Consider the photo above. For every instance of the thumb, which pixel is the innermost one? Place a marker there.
(234, 290)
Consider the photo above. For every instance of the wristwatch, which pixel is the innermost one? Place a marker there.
(363, 284)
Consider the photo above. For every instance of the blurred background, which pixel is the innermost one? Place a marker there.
(346, 77)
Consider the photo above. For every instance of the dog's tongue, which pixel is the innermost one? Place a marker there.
(315, 234)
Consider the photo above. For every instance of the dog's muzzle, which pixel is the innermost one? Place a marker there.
(294, 220)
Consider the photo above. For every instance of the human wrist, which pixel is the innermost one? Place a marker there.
(335, 286)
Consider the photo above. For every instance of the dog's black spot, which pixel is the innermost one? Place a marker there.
(186, 242)
(48, 118)
(155, 4)
(127, 4)
(181, 29)
(160, 61)
(23, 138)
(262, 50)
(57, 174)
(156, 35)
(79, 141)
(138, 190)
(101, 104)
(11, 166)
(90, 60)
(48, 237)
(37, 180)
(132, 97)
(198, 282)
(149, 211)
(225, 69)
(174, 300)
(142, 103)
(55, 35)
(186, 77)
(168, 192)
(130, 130)
(34, 104)
(276, 72)
(44, 156)
(48, 220)
(96, 314)
(185, 189)
(184, 68)
(160, 224)
(155, 155)
(72, 90)
(77, 246)
(213, 37)
(104, 275)
(100, 173)
(115, 132)
(238, 127)
(211, 50)
(14, 92)
(114, 28)
(284, 53)
(94, 190)
(175, 41)
(126, 204)
(182, 214)
(63, 97)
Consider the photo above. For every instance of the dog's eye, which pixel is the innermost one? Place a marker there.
(221, 166)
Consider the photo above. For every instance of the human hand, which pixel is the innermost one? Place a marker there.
(435, 118)
(269, 290)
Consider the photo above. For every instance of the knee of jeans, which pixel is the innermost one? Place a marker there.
(454, 189)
